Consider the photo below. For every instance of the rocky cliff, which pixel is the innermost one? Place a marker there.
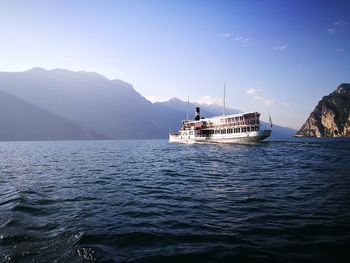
(331, 117)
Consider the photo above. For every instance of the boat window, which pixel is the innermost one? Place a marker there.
(248, 129)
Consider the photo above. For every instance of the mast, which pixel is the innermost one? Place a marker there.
(223, 111)
(188, 103)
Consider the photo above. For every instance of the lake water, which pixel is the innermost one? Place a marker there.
(151, 201)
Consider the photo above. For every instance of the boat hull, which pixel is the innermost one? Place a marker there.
(248, 137)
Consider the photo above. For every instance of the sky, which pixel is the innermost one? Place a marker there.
(274, 57)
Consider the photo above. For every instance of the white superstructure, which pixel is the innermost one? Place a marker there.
(234, 128)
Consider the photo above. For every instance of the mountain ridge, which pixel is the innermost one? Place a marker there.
(99, 104)
(107, 108)
(331, 116)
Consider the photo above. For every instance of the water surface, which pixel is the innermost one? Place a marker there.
(151, 201)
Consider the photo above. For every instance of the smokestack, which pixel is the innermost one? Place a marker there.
(197, 117)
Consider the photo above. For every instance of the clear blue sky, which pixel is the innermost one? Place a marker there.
(277, 57)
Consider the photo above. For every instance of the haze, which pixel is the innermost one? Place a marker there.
(277, 57)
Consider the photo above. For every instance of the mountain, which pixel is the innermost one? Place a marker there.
(174, 111)
(62, 104)
(331, 116)
(20, 120)
(111, 108)
(206, 110)
(279, 132)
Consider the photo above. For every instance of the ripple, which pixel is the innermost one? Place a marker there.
(150, 201)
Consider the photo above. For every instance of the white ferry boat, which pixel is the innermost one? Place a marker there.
(234, 128)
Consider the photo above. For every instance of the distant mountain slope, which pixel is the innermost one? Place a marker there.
(108, 107)
(20, 120)
(279, 132)
(206, 110)
(174, 111)
(331, 116)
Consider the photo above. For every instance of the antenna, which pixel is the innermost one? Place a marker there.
(223, 111)
(188, 103)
